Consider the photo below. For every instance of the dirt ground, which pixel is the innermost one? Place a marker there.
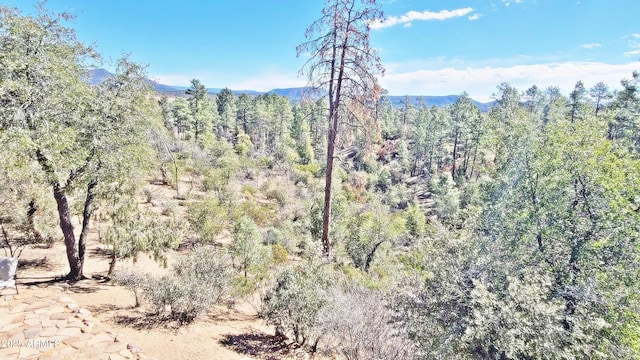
(227, 332)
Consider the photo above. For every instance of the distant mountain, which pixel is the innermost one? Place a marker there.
(439, 101)
(217, 90)
(96, 76)
(161, 88)
(291, 93)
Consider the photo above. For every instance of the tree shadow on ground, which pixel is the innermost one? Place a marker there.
(98, 251)
(84, 289)
(43, 263)
(148, 321)
(260, 345)
(108, 308)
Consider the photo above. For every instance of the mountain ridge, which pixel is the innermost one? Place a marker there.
(96, 76)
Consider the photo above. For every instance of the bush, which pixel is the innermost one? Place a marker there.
(208, 267)
(357, 324)
(279, 254)
(416, 221)
(207, 218)
(279, 195)
(247, 247)
(198, 281)
(312, 168)
(293, 304)
(261, 214)
(280, 237)
(132, 280)
(248, 189)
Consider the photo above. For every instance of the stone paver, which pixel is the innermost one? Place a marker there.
(45, 323)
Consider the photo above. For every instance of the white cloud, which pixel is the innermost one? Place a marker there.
(268, 81)
(632, 53)
(475, 16)
(481, 83)
(590, 46)
(172, 79)
(508, 2)
(421, 16)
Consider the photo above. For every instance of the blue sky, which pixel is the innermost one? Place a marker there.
(427, 47)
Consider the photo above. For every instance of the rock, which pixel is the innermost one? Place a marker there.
(134, 348)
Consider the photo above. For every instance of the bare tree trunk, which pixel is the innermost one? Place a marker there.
(33, 208)
(112, 263)
(75, 272)
(454, 154)
(86, 220)
(326, 213)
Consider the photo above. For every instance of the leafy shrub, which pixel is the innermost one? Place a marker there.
(132, 280)
(207, 218)
(199, 280)
(367, 230)
(312, 168)
(261, 214)
(243, 144)
(301, 177)
(293, 304)
(280, 236)
(279, 254)
(246, 247)
(416, 221)
(384, 180)
(170, 208)
(266, 161)
(277, 194)
(248, 189)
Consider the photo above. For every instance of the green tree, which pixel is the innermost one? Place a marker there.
(304, 144)
(247, 245)
(245, 112)
(464, 119)
(367, 230)
(131, 231)
(208, 218)
(201, 109)
(577, 99)
(342, 63)
(79, 135)
(183, 118)
(227, 110)
(570, 210)
(601, 96)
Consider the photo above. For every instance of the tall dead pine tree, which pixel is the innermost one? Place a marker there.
(343, 65)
